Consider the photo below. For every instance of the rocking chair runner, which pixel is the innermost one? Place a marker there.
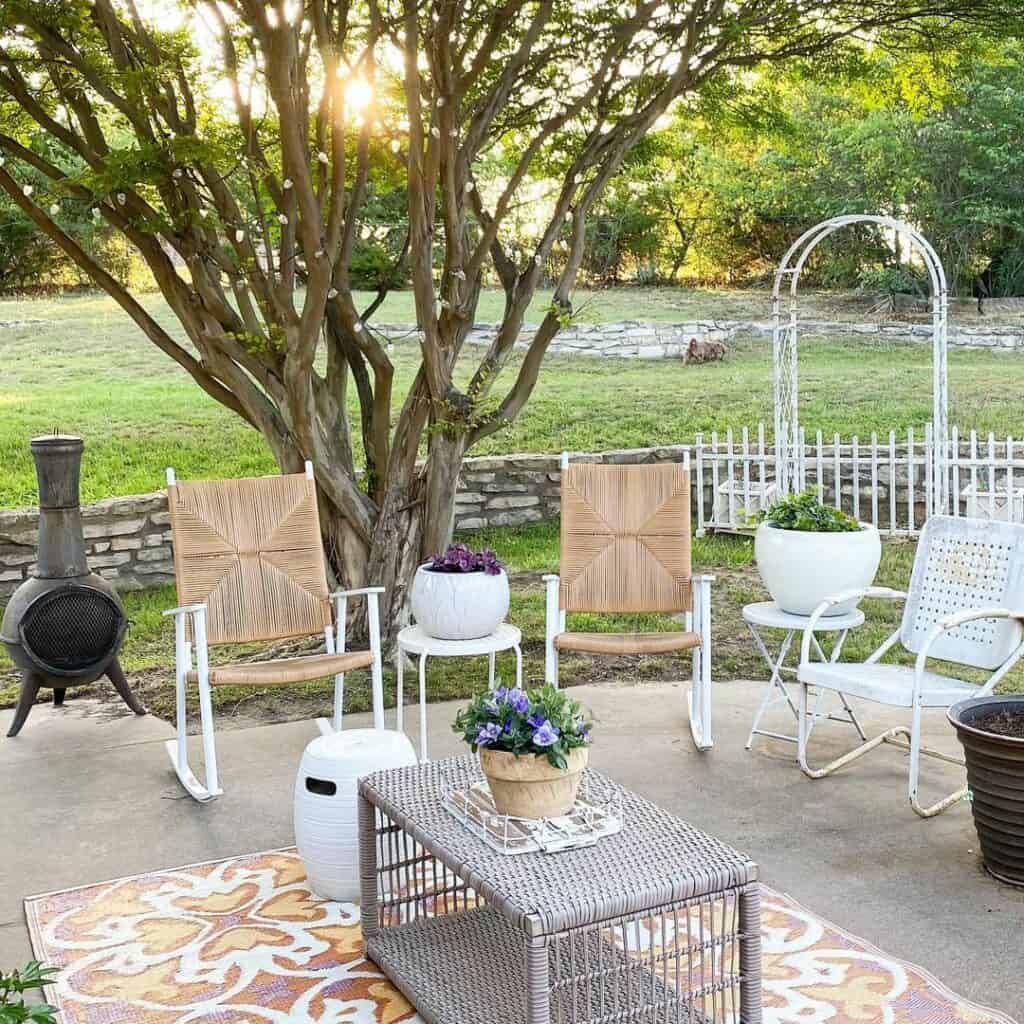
(625, 547)
(249, 567)
(965, 605)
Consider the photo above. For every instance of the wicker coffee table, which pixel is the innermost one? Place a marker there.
(660, 923)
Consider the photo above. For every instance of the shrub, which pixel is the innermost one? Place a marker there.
(806, 512)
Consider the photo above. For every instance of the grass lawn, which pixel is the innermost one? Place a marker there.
(148, 653)
(88, 369)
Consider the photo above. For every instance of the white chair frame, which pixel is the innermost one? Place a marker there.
(906, 737)
(698, 620)
(194, 654)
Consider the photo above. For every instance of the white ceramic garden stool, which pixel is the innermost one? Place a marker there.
(326, 802)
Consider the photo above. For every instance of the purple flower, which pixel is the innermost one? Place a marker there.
(518, 700)
(461, 558)
(545, 735)
(488, 734)
(535, 721)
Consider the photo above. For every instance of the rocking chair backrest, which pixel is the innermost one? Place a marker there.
(625, 538)
(963, 564)
(251, 551)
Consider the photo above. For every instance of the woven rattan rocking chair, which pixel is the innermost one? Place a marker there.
(625, 547)
(964, 606)
(249, 567)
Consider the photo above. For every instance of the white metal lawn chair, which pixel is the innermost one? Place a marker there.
(625, 547)
(964, 606)
(249, 567)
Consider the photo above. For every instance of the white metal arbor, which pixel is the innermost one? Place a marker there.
(788, 443)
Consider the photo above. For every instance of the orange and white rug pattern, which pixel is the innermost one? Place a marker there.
(243, 941)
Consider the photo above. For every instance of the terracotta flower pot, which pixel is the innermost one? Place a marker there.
(530, 786)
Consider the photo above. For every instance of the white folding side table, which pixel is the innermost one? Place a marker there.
(768, 615)
(412, 640)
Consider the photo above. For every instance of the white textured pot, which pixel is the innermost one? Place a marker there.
(326, 803)
(801, 569)
(459, 605)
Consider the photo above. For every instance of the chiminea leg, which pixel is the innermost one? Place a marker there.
(58, 696)
(117, 677)
(27, 697)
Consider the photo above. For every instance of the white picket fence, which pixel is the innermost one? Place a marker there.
(883, 480)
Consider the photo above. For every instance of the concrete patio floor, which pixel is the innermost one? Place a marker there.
(87, 795)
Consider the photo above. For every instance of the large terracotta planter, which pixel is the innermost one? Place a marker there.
(995, 775)
(530, 786)
(801, 569)
(459, 605)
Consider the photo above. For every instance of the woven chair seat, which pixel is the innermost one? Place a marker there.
(627, 643)
(283, 671)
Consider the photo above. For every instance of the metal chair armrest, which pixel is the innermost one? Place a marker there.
(877, 593)
(186, 609)
(357, 592)
(952, 622)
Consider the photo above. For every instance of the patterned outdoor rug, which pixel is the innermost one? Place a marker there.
(242, 941)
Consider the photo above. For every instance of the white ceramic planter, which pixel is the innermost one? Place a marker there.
(459, 605)
(326, 811)
(801, 569)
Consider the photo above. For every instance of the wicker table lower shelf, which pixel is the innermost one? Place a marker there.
(657, 924)
(490, 983)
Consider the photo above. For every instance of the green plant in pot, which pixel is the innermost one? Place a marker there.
(807, 551)
(13, 989)
(532, 747)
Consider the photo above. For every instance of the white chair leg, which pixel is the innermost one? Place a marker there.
(698, 699)
(177, 749)
(897, 737)
(554, 623)
(335, 644)
(376, 669)
(916, 750)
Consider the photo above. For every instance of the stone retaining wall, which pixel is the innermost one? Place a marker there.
(637, 339)
(628, 339)
(128, 541)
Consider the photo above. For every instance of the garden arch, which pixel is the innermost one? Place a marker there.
(788, 446)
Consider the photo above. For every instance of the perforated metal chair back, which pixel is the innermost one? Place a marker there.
(251, 550)
(625, 543)
(963, 564)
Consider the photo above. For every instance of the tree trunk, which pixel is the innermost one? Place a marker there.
(415, 520)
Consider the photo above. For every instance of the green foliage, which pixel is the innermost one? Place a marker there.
(545, 722)
(13, 987)
(29, 258)
(805, 512)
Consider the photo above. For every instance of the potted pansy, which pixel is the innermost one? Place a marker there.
(532, 747)
(460, 594)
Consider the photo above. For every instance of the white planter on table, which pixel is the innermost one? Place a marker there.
(801, 569)
(326, 804)
(459, 605)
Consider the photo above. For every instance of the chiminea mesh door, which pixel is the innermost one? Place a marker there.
(72, 629)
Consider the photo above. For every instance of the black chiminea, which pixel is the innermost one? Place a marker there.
(64, 625)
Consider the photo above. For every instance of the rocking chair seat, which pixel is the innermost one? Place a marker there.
(627, 643)
(886, 684)
(282, 671)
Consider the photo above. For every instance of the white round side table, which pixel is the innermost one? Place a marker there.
(768, 615)
(412, 640)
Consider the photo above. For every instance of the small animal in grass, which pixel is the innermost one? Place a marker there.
(704, 351)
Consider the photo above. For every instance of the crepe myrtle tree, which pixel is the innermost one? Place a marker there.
(236, 145)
